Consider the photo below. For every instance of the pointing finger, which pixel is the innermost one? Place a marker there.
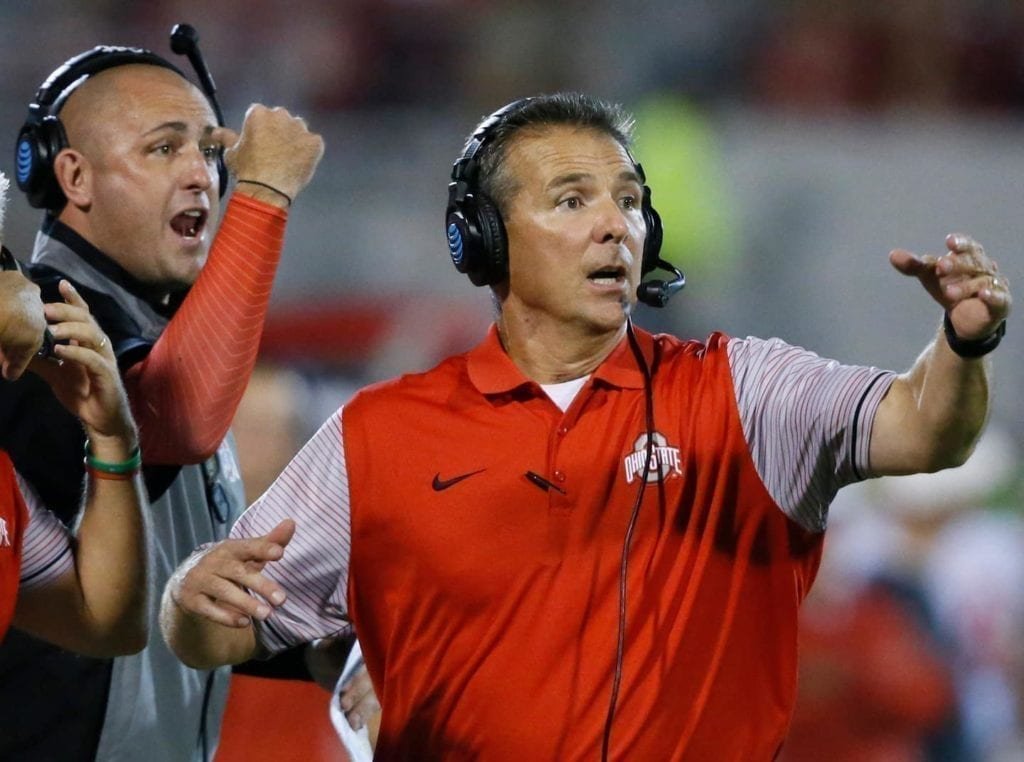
(909, 263)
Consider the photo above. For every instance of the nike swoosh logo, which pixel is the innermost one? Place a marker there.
(442, 484)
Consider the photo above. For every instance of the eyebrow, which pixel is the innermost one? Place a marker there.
(179, 127)
(572, 178)
(176, 126)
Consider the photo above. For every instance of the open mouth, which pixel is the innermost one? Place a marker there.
(607, 276)
(190, 223)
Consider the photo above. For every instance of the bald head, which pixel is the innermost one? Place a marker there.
(93, 112)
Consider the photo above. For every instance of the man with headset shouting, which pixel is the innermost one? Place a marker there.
(579, 540)
(124, 154)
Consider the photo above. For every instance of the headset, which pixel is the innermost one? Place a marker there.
(43, 136)
(477, 240)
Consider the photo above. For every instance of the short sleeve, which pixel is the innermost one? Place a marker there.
(312, 490)
(46, 550)
(807, 421)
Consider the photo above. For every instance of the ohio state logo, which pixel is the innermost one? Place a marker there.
(664, 460)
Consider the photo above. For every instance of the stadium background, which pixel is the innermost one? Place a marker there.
(789, 145)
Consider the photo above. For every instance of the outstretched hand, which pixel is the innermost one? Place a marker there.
(965, 281)
(273, 147)
(86, 380)
(213, 583)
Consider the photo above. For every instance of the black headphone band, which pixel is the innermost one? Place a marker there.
(65, 80)
(467, 167)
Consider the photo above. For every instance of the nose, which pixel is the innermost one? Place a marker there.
(197, 174)
(611, 224)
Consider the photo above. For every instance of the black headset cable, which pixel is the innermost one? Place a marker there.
(620, 647)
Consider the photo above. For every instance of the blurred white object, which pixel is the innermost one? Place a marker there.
(4, 185)
(356, 742)
(974, 578)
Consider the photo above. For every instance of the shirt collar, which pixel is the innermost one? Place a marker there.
(155, 298)
(492, 371)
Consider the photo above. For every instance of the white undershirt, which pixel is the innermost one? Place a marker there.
(564, 392)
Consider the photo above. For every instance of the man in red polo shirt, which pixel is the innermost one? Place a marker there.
(579, 540)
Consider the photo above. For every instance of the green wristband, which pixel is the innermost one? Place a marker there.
(128, 466)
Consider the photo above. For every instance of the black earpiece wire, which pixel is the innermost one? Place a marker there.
(620, 646)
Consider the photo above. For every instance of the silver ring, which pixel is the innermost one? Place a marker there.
(996, 281)
(103, 343)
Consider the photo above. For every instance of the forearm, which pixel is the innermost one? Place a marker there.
(111, 560)
(98, 606)
(933, 414)
(201, 643)
(185, 393)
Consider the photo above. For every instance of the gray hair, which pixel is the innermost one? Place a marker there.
(572, 109)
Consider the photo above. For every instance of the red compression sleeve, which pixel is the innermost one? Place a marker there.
(185, 393)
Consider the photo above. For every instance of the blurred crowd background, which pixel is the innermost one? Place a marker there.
(789, 145)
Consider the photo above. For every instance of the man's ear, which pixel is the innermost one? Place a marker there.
(74, 175)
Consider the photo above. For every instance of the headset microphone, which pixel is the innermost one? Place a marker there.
(185, 42)
(656, 293)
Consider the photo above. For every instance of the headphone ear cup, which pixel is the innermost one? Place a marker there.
(27, 161)
(476, 239)
(460, 240)
(652, 241)
(494, 243)
(37, 147)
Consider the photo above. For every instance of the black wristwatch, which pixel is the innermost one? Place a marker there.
(972, 348)
(7, 260)
(45, 352)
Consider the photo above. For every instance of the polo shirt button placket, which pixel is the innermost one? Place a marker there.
(559, 499)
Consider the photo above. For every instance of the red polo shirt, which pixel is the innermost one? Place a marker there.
(488, 609)
(13, 517)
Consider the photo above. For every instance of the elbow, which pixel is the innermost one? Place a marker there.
(948, 454)
(194, 661)
(131, 641)
(953, 458)
(188, 639)
(183, 450)
(194, 657)
(123, 639)
(193, 453)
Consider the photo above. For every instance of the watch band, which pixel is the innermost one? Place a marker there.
(972, 348)
(7, 260)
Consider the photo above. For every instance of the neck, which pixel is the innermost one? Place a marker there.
(72, 238)
(550, 354)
